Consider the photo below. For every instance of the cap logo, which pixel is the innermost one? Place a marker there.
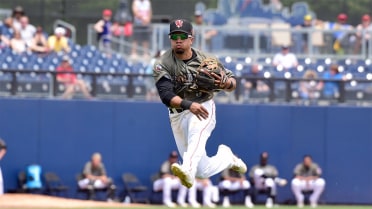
(178, 23)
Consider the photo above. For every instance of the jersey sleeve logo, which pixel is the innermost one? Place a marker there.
(158, 67)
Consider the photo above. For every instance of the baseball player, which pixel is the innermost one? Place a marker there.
(95, 177)
(3, 149)
(166, 182)
(192, 111)
(307, 178)
(265, 178)
(232, 181)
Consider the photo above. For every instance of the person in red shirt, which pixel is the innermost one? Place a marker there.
(70, 80)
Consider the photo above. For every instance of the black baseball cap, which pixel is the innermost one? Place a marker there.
(180, 25)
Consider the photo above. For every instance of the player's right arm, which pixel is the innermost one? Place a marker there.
(169, 98)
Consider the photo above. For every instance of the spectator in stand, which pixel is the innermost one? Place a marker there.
(39, 43)
(4, 41)
(308, 23)
(123, 25)
(166, 182)
(142, 13)
(307, 178)
(17, 44)
(363, 33)
(58, 42)
(308, 88)
(6, 28)
(124, 29)
(103, 27)
(276, 5)
(151, 91)
(66, 76)
(251, 81)
(207, 35)
(285, 59)
(17, 13)
(95, 177)
(330, 89)
(26, 29)
(341, 37)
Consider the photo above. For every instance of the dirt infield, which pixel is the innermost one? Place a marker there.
(43, 201)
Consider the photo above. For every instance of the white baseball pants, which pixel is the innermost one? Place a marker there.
(83, 183)
(1, 183)
(210, 192)
(261, 183)
(317, 186)
(234, 185)
(166, 185)
(191, 135)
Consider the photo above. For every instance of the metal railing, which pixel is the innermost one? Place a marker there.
(258, 41)
(281, 90)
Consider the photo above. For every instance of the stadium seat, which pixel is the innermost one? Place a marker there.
(137, 192)
(54, 185)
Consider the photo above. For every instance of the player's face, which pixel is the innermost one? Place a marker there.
(307, 161)
(173, 159)
(96, 161)
(180, 42)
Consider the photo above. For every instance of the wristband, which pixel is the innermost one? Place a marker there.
(185, 104)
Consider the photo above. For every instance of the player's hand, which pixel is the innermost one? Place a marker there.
(220, 80)
(199, 111)
(104, 179)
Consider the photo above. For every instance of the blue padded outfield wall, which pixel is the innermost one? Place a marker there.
(136, 137)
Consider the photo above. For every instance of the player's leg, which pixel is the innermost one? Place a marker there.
(87, 184)
(317, 186)
(224, 158)
(165, 185)
(192, 195)
(99, 184)
(179, 123)
(208, 190)
(271, 187)
(69, 91)
(297, 187)
(83, 88)
(225, 187)
(246, 187)
(198, 133)
(182, 193)
(1, 183)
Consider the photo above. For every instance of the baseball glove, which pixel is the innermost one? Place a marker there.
(210, 75)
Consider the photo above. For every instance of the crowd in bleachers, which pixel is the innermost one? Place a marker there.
(25, 46)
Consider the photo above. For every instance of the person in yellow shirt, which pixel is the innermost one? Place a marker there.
(58, 42)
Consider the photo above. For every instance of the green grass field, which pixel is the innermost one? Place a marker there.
(233, 207)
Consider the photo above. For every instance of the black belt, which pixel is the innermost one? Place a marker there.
(175, 110)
